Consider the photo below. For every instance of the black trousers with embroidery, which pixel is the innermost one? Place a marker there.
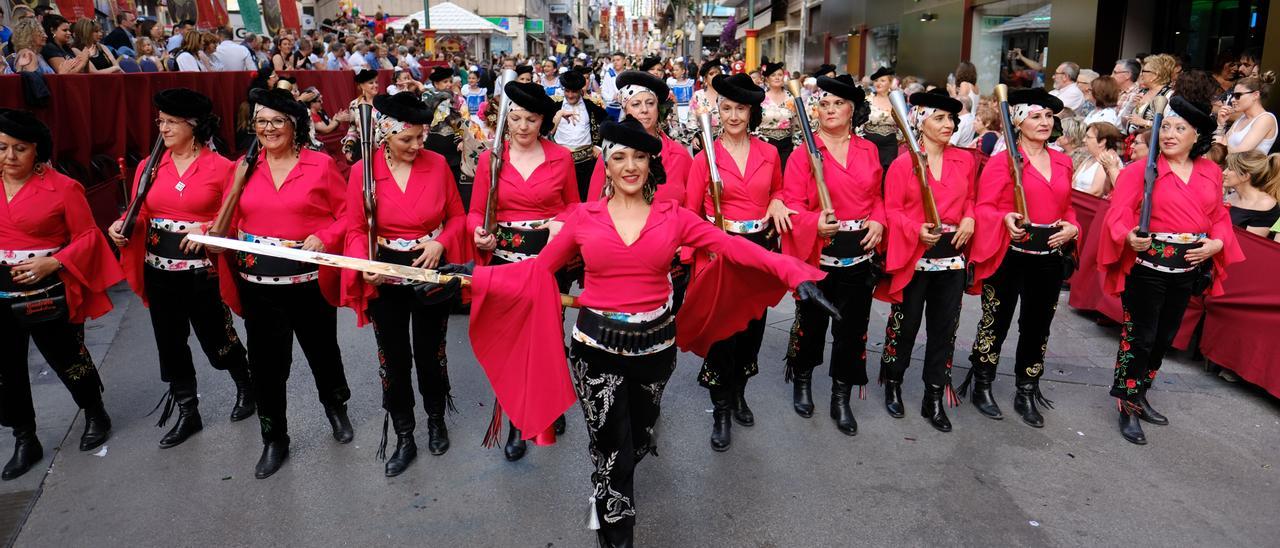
(180, 301)
(1035, 280)
(273, 316)
(849, 289)
(583, 171)
(730, 362)
(410, 335)
(934, 298)
(62, 345)
(621, 399)
(1153, 303)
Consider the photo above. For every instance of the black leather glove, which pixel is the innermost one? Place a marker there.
(808, 291)
(436, 293)
(464, 269)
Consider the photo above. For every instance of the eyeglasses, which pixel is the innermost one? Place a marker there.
(272, 123)
(1147, 71)
(1238, 94)
(161, 122)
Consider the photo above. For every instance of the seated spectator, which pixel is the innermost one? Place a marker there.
(1085, 82)
(1105, 94)
(1255, 129)
(57, 50)
(1064, 85)
(1254, 181)
(1096, 172)
(188, 53)
(208, 52)
(86, 34)
(305, 58)
(321, 121)
(381, 61)
(404, 82)
(147, 58)
(121, 39)
(339, 61)
(148, 28)
(179, 34)
(1071, 142)
(357, 60)
(27, 41)
(986, 126)
(1140, 147)
(282, 55)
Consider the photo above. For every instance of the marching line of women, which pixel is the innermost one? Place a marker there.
(672, 251)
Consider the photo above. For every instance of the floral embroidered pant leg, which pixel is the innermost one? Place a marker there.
(730, 362)
(933, 298)
(621, 397)
(180, 301)
(62, 345)
(410, 335)
(1037, 279)
(850, 291)
(1153, 306)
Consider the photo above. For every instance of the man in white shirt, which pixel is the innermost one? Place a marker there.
(963, 136)
(1064, 85)
(608, 87)
(175, 41)
(356, 60)
(232, 56)
(577, 127)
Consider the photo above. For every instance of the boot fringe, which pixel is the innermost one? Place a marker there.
(968, 378)
(862, 391)
(953, 399)
(448, 402)
(1039, 398)
(382, 446)
(169, 403)
(1129, 407)
(495, 427)
(788, 373)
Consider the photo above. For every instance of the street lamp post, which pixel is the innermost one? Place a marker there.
(428, 33)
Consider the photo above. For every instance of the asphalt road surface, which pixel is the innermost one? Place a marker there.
(1208, 479)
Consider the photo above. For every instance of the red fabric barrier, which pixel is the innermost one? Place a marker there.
(1240, 325)
(111, 114)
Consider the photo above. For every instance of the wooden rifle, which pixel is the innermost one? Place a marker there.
(232, 199)
(1149, 174)
(370, 187)
(495, 158)
(144, 186)
(815, 155)
(918, 160)
(1015, 157)
(717, 183)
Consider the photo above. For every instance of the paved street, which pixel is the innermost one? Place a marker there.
(1209, 479)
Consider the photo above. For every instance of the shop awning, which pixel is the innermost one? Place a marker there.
(1036, 20)
(450, 18)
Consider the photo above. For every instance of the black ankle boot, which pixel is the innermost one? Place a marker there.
(26, 452)
(189, 422)
(1146, 413)
(741, 412)
(516, 446)
(802, 393)
(406, 448)
(1130, 425)
(245, 406)
(437, 435)
(983, 400)
(893, 399)
(338, 420)
(721, 426)
(616, 536)
(840, 394)
(274, 453)
(97, 428)
(559, 425)
(1024, 404)
(931, 408)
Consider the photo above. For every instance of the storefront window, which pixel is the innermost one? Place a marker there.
(1003, 29)
(882, 47)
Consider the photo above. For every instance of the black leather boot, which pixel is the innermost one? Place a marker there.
(274, 453)
(189, 422)
(406, 447)
(893, 399)
(26, 452)
(721, 426)
(983, 400)
(741, 412)
(1146, 413)
(97, 428)
(616, 536)
(337, 414)
(802, 392)
(1024, 404)
(559, 425)
(515, 448)
(840, 394)
(931, 408)
(245, 406)
(437, 435)
(1130, 424)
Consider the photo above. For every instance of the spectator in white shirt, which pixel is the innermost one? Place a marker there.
(963, 136)
(356, 60)
(1064, 85)
(188, 57)
(233, 56)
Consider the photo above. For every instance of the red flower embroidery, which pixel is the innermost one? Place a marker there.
(1169, 252)
(1151, 375)
(1130, 383)
(517, 240)
(1151, 251)
(1124, 346)
(891, 351)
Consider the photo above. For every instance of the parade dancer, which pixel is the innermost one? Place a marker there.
(1021, 259)
(624, 341)
(926, 261)
(293, 197)
(54, 274)
(535, 184)
(173, 276)
(418, 218)
(1189, 243)
(577, 128)
(841, 241)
